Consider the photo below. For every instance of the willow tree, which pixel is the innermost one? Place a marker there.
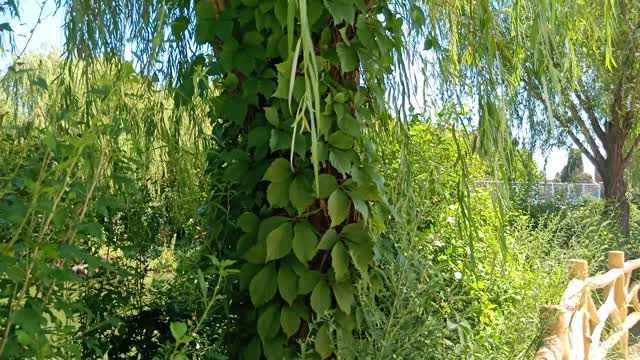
(579, 69)
(299, 87)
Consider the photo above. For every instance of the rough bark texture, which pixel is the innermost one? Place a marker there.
(612, 170)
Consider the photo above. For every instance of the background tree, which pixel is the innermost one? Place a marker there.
(587, 80)
(574, 170)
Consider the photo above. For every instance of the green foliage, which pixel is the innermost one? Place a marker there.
(100, 220)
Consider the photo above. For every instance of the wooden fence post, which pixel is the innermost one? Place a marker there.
(616, 261)
(581, 326)
(555, 322)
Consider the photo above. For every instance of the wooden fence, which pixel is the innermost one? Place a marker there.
(573, 330)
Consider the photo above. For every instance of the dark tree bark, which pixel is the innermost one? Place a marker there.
(612, 170)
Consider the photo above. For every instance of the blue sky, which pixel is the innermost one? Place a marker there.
(49, 36)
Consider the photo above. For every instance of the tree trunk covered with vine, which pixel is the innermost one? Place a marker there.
(305, 195)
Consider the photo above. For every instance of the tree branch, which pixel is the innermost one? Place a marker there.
(580, 145)
(575, 114)
(587, 106)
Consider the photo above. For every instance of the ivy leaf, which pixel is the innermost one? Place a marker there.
(300, 194)
(253, 351)
(348, 57)
(339, 205)
(304, 242)
(268, 225)
(321, 298)
(361, 254)
(287, 283)
(340, 261)
(342, 160)
(257, 253)
(279, 171)
(272, 116)
(274, 348)
(355, 233)
(248, 222)
(345, 321)
(362, 208)
(279, 242)
(289, 321)
(308, 281)
(269, 322)
(328, 240)
(327, 184)
(278, 194)
(258, 138)
(349, 125)
(247, 272)
(341, 10)
(341, 140)
(280, 140)
(263, 286)
(323, 344)
(343, 292)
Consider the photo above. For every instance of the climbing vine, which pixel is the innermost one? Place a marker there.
(300, 84)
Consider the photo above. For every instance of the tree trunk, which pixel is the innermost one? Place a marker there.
(615, 186)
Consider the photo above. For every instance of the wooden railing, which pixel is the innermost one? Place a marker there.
(573, 329)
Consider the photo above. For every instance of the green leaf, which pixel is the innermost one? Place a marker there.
(272, 116)
(280, 140)
(308, 281)
(302, 310)
(252, 39)
(323, 344)
(287, 283)
(304, 242)
(279, 242)
(341, 10)
(343, 292)
(289, 321)
(328, 184)
(342, 160)
(29, 319)
(349, 125)
(362, 208)
(278, 171)
(178, 329)
(328, 240)
(203, 285)
(258, 138)
(341, 140)
(340, 261)
(355, 233)
(274, 348)
(253, 351)
(257, 253)
(23, 337)
(248, 222)
(300, 194)
(321, 298)
(269, 322)
(348, 57)
(263, 286)
(339, 205)
(269, 224)
(345, 321)
(179, 25)
(247, 272)
(278, 194)
(361, 254)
